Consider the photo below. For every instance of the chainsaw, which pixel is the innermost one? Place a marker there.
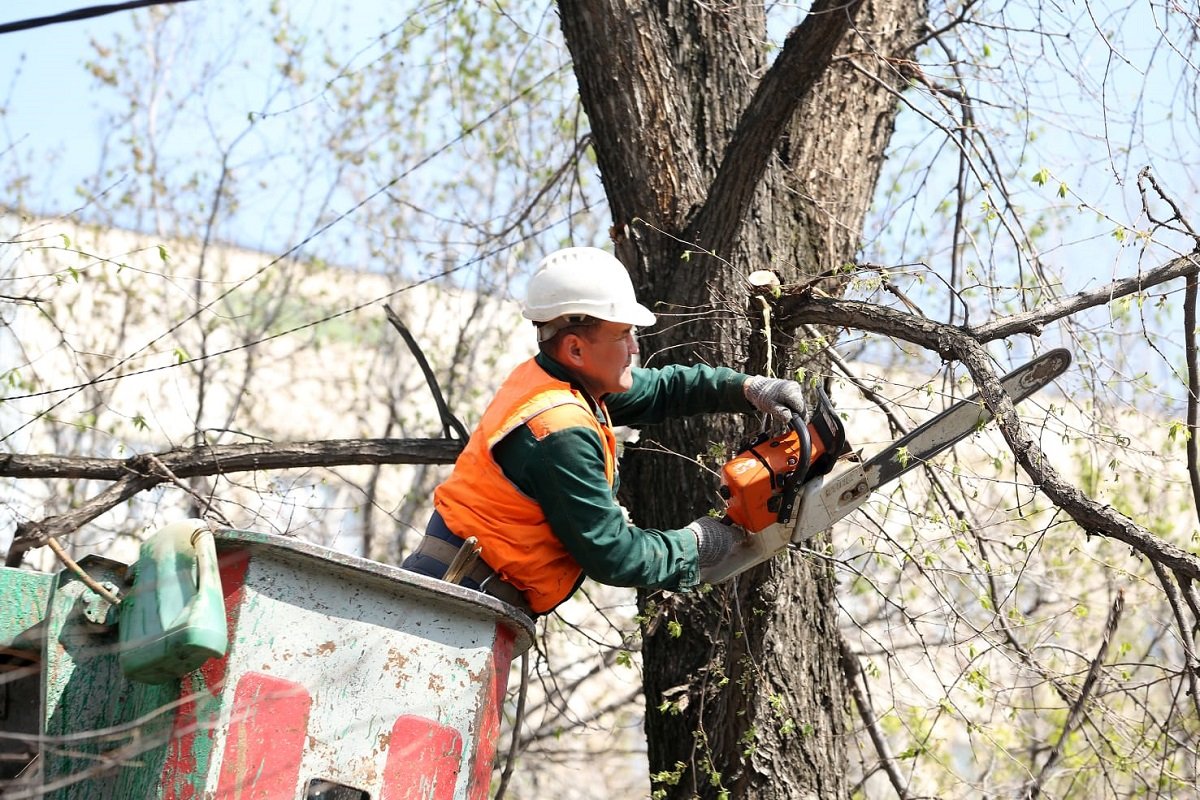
(785, 489)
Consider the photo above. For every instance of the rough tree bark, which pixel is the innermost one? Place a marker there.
(717, 162)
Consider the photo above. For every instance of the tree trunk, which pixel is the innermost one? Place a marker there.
(716, 163)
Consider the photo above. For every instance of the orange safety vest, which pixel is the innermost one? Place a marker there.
(479, 500)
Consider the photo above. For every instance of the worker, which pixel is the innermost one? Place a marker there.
(537, 481)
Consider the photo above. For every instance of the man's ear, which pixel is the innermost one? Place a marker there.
(570, 350)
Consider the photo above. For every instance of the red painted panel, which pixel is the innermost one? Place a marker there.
(183, 775)
(423, 760)
(265, 740)
(232, 565)
(491, 702)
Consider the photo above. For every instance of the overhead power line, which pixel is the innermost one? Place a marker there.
(81, 13)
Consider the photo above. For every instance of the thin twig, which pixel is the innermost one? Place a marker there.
(516, 731)
(852, 672)
(1146, 176)
(1034, 787)
(88, 580)
(205, 503)
(1188, 588)
(766, 330)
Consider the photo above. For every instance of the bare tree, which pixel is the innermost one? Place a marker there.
(718, 161)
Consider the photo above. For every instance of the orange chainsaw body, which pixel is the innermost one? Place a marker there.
(759, 484)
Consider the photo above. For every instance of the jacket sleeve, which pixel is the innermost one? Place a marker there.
(678, 391)
(564, 473)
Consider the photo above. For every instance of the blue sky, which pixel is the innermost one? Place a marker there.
(54, 118)
(50, 102)
(47, 96)
(1106, 106)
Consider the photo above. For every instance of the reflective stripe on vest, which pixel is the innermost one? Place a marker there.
(479, 500)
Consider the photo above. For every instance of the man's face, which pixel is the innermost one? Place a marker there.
(606, 358)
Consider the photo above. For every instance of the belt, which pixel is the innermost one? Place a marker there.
(480, 573)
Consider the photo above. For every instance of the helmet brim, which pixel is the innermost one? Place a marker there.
(631, 314)
(638, 315)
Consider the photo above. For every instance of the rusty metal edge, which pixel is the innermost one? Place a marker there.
(468, 600)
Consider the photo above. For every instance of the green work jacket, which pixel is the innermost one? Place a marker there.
(564, 473)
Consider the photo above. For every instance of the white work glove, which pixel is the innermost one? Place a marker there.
(713, 539)
(776, 397)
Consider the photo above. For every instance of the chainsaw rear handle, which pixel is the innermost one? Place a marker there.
(791, 482)
(827, 426)
(761, 485)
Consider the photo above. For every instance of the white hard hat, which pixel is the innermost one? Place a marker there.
(583, 281)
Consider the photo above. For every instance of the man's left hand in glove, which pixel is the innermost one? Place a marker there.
(777, 397)
(714, 539)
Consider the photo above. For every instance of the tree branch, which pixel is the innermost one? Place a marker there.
(1033, 321)
(955, 342)
(37, 533)
(220, 459)
(797, 69)
(1093, 517)
(960, 513)
(141, 472)
(799, 305)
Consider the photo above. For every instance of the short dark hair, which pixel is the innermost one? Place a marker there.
(581, 324)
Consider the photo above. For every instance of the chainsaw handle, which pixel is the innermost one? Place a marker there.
(792, 481)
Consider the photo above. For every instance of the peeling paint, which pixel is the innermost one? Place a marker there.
(396, 659)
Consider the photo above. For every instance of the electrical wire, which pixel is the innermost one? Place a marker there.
(81, 13)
